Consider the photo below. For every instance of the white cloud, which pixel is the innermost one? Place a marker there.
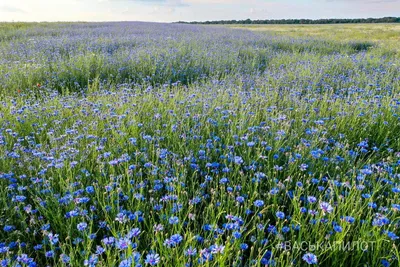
(11, 9)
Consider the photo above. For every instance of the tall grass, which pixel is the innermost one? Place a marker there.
(149, 144)
(68, 57)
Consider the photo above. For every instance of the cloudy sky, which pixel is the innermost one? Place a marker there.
(189, 10)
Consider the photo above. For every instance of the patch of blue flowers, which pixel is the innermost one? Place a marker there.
(255, 148)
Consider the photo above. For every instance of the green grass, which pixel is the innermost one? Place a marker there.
(282, 115)
(385, 36)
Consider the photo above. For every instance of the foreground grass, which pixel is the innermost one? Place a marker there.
(277, 152)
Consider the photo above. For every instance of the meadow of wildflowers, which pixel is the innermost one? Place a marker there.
(139, 144)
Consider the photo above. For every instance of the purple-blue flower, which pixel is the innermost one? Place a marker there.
(310, 258)
(258, 203)
(152, 259)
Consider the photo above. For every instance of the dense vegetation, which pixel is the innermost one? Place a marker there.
(300, 21)
(138, 144)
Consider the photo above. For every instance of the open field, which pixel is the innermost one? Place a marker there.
(349, 32)
(142, 144)
(387, 36)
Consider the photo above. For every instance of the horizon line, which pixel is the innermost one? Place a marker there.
(198, 21)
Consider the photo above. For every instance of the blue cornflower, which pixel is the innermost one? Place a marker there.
(238, 160)
(280, 214)
(38, 247)
(224, 180)
(173, 220)
(9, 228)
(177, 238)
(24, 258)
(380, 221)
(250, 144)
(240, 199)
(92, 261)
(258, 203)
(190, 252)
(5, 262)
(19, 198)
(217, 249)
(53, 238)
(385, 263)
(108, 241)
(49, 254)
(237, 235)
(133, 140)
(392, 235)
(312, 199)
(100, 250)
(123, 243)
(65, 258)
(173, 241)
(152, 259)
(396, 190)
(310, 258)
(244, 246)
(126, 263)
(135, 232)
(82, 226)
(326, 207)
(349, 219)
(396, 207)
(303, 167)
(337, 228)
(90, 189)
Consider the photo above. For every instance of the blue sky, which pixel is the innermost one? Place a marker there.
(189, 10)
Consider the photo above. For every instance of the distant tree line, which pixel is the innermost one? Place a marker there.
(299, 21)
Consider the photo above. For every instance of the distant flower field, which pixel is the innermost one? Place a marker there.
(144, 144)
